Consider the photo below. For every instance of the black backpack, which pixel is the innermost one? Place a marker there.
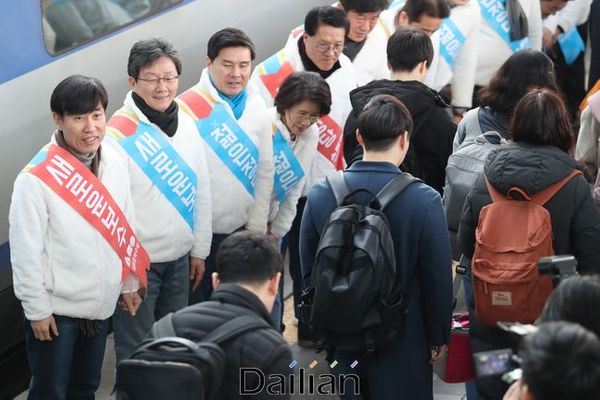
(171, 367)
(356, 303)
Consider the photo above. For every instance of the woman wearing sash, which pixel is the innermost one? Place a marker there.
(303, 98)
(69, 271)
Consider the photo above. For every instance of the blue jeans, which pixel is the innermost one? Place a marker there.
(168, 284)
(67, 367)
(204, 291)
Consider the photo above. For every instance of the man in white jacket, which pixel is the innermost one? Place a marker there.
(366, 39)
(72, 250)
(170, 186)
(233, 124)
(495, 43)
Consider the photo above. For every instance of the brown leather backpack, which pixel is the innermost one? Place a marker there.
(511, 236)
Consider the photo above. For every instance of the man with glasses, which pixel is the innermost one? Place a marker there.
(233, 123)
(170, 187)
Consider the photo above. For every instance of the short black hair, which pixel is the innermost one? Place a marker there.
(304, 86)
(415, 9)
(145, 52)
(519, 73)
(77, 95)
(576, 299)
(541, 118)
(325, 15)
(407, 48)
(248, 257)
(229, 37)
(382, 120)
(562, 361)
(364, 6)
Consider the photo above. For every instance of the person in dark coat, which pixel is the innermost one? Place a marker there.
(409, 53)
(537, 158)
(248, 267)
(401, 370)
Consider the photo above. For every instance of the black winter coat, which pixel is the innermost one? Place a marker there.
(433, 129)
(575, 218)
(264, 349)
(575, 224)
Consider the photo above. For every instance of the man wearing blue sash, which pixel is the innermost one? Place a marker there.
(458, 55)
(169, 184)
(564, 37)
(500, 35)
(234, 126)
(426, 15)
(366, 39)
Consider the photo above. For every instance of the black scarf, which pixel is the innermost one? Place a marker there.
(311, 66)
(166, 121)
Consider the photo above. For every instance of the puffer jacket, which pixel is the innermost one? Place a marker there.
(264, 349)
(575, 219)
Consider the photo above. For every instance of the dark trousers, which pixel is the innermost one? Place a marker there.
(203, 292)
(293, 246)
(69, 366)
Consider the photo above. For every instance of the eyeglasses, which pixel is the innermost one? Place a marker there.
(325, 47)
(168, 80)
(303, 116)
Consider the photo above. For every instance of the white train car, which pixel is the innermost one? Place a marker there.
(44, 41)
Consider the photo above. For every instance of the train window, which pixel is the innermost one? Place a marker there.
(69, 23)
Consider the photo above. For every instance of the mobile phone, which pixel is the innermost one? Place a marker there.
(490, 363)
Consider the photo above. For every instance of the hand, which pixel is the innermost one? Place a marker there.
(549, 38)
(41, 329)
(197, 269)
(437, 352)
(131, 302)
(513, 392)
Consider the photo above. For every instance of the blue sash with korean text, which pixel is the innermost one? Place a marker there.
(288, 171)
(159, 161)
(451, 41)
(494, 12)
(571, 44)
(231, 144)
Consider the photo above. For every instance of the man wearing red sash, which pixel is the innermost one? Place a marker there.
(73, 252)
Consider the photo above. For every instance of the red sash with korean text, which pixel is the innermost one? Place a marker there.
(83, 191)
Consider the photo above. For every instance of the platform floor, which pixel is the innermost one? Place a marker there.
(304, 356)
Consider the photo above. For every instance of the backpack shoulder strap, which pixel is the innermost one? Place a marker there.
(235, 327)
(394, 187)
(339, 187)
(164, 327)
(543, 196)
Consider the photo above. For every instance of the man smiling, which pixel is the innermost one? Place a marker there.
(366, 39)
(233, 123)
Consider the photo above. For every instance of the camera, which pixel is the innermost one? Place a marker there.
(498, 362)
(558, 267)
